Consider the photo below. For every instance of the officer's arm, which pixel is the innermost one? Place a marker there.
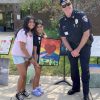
(84, 40)
(86, 26)
(66, 44)
(63, 37)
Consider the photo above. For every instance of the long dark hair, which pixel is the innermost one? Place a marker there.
(25, 25)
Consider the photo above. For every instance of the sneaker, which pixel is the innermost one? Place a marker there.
(36, 93)
(40, 89)
(26, 94)
(19, 96)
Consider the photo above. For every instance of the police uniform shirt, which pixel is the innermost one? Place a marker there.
(73, 28)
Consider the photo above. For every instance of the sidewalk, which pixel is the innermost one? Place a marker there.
(52, 92)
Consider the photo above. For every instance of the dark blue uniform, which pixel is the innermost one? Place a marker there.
(73, 28)
(37, 42)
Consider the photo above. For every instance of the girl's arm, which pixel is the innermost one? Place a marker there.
(35, 53)
(24, 50)
(44, 35)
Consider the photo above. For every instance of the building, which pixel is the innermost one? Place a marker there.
(10, 15)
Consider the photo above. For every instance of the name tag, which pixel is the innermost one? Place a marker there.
(66, 33)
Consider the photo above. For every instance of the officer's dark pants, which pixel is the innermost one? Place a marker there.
(84, 61)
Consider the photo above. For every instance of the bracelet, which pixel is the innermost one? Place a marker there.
(30, 58)
(66, 49)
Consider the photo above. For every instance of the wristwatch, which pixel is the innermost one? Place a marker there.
(66, 49)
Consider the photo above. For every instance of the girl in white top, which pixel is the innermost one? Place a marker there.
(22, 55)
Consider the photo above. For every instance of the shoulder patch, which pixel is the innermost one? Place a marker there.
(84, 18)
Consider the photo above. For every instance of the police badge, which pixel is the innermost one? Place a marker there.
(76, 21)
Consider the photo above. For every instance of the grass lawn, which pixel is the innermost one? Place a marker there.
(48, 70)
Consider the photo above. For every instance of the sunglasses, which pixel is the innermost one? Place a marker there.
(65, 5)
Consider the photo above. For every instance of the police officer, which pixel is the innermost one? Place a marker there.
(75, 32)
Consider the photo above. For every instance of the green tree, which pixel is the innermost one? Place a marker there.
(35, 5)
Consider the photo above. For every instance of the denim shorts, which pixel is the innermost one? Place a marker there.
(19, 59)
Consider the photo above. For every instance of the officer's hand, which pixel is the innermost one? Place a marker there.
(75, 53)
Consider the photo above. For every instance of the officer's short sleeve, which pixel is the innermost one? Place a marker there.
(85, 23)
(35, 40)
(61, 31)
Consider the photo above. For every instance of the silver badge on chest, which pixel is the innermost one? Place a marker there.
(76, 23)
(66, 33)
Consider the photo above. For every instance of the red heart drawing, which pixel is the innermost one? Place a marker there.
(50, 48)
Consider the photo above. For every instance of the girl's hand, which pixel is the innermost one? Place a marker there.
(45, 36)
(34, 63)
(38, 65)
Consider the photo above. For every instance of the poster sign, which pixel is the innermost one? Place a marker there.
(5, 44)
(49, 52)
(94, 75)
(95, 50)
(18, 17)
